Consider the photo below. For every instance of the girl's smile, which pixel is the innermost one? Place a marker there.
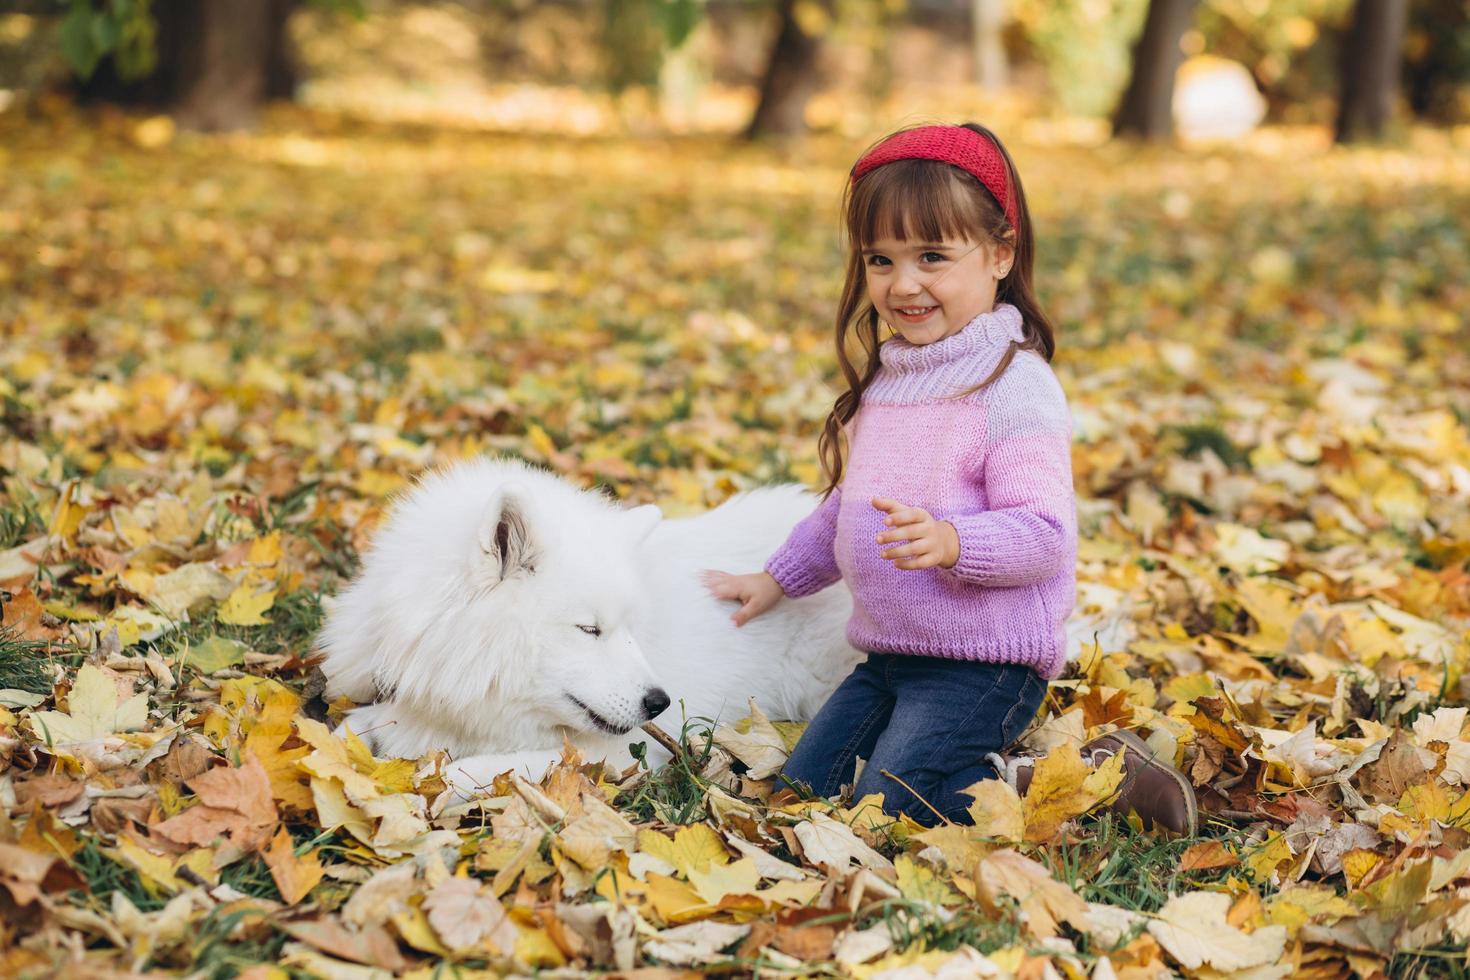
(928, 291)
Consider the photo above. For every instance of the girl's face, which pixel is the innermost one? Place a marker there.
(928, 291)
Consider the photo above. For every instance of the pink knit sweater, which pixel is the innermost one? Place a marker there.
(996, 464)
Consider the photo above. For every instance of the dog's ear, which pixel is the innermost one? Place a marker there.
(505, 535)
(643, 520)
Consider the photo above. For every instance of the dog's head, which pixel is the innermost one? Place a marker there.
(500, 604)
(567, 588)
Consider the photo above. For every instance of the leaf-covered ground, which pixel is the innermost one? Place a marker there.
(218, 357)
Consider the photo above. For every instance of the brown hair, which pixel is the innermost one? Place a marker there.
(931, 201)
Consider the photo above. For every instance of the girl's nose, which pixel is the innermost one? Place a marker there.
(907, 283)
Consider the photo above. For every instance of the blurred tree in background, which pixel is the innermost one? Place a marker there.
(1083, 45)
(1371, 61)
(211, 63)
(1147, 106)
(1437, 59)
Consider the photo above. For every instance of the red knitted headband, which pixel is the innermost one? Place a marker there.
(956, 145)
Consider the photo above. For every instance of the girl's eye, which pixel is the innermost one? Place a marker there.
(877, 260)
(590, 630)
(933, 257)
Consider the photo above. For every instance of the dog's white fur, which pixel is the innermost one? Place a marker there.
(500, 609)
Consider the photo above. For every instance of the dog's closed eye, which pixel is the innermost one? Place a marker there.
(590, 630)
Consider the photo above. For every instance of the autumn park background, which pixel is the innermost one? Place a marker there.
(261, 263)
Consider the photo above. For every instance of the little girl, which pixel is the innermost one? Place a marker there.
(949, 512)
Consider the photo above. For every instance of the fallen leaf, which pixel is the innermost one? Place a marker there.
(294, 876)
(1044, 900)
(463, 915)
(760, 746)
(234, 804)
(1193, 930)
(694, 944)
(92, 711)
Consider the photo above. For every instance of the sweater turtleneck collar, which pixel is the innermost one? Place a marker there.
(987, 332)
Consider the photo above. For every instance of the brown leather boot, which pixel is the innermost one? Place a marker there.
(1160, 794)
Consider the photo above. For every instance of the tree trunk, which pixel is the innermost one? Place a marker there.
(1370, 69)
(1146, 109)
(218, 60)
(791, 75)
(222, 78)
(1432, 75)
(282, 71)
(992, 71)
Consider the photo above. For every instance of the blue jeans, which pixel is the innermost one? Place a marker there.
(926, 720)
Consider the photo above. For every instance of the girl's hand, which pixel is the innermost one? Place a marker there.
(927, 542)
(756, 592)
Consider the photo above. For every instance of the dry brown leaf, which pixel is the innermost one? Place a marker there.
(234, 804)
(387, 892)
(26, 875)
(294, 876)
(831, 845)
(463, 915)
(372, 946)
(1207, 856)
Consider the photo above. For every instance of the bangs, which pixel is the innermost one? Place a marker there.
(914, 200)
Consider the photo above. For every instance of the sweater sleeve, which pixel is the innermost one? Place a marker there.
(806, 563)
(1029, 534)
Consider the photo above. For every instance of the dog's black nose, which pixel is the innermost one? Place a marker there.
(655, 701)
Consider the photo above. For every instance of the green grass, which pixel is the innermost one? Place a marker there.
(25, 664)
(674, 792)
(913, 924)
(104, 876)
(294, 621)
(1192, 440)
(1128, 868)
(1449, 961)
(225, 944)
(19, 522)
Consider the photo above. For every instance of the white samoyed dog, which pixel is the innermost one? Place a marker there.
(501, 610)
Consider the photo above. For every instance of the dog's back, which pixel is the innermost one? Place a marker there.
(790, 659)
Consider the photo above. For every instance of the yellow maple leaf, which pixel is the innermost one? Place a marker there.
(1194, 930)
(737, 878)
(693, 848)
(338, 759)
(961, 847)
(919, 883)
(413, 928)
(1266, 857)
(674, 901)
(540, 441)
(92, 711)
(246, 606)
(1063, 788)
(536, 948)
(997, 811)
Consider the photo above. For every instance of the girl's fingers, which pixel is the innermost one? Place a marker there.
(918, 554)
(903, 528)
